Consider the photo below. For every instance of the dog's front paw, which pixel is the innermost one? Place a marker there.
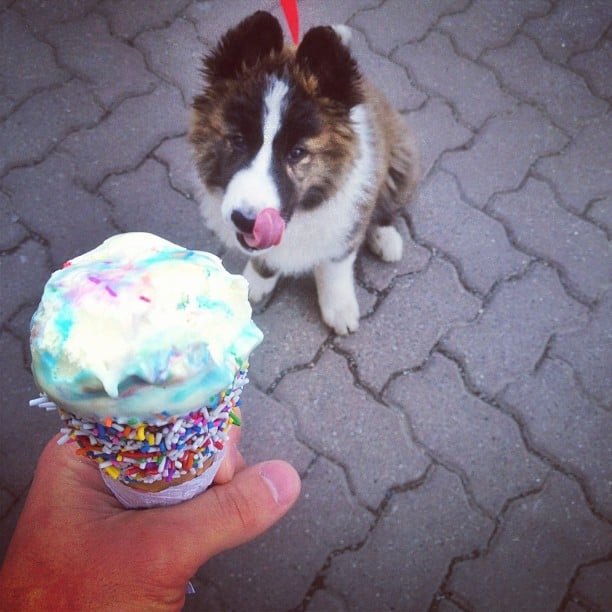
(342, 318)
(257, 294)
(336, 291)
(260, 287)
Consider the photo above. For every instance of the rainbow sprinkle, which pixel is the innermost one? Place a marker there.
(167, 449)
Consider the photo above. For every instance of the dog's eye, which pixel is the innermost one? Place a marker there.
(296, 154)
(237, 141)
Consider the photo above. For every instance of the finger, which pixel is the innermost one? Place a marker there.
(235, 431)
(234, 513)
(240, 463)
(232, 456)
(235, 435)
(229, 465)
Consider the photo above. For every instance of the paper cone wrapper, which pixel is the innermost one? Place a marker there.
(131, 497)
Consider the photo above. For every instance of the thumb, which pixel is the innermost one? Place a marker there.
(231, 514)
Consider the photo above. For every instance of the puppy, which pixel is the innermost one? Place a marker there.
(301, 160)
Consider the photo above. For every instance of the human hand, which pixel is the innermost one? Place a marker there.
(75, 547)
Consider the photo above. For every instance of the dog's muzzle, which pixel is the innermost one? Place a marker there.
(261, 232)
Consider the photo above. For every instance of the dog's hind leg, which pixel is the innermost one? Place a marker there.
(382, 237)
(385, 242)
(261, 279)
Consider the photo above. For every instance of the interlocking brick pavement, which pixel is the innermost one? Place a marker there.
(475, 242)
(455, 451)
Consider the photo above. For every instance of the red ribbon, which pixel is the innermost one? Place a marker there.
(292, 16)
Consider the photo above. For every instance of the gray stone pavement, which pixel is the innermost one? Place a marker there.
(456, 452)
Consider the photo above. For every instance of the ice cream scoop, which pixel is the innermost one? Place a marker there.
(140, 326)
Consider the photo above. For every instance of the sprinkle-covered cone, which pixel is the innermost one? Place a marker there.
(160, 463)
(181, 489)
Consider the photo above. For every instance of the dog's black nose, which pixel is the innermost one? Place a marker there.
(242, 222)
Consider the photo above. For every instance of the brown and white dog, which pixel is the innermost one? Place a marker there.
(301, 160)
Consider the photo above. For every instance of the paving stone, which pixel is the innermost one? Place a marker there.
(600, 212)
(8, 523)
(128, 134)
(423, 308)
(379, 274)
(212, 19)
(269, 431)
(43, 121)
(582, 172)
(563, 424)
(20, 421)
(510, 337)
(444, 605)
(177, 156)
(87, 48)
(72, 220)
(420, 532)
(128, 19)
(541, 541)
(29, 62)
(13, 232)
(541, 227)
(589, 351)
(23, 274)
(19, 326)
(594, 66)
(594, 585)
(140, 200)
(175, 54)
(7, 501)
(271, 573)
(437, 69)
(293, 332)
(503, 151)
(571, 27)
(561, 92)
(386, 75)
(42, 14)
(207, 597)
(385, 458)
(476, 242)
(324, 600)
(436, 131)
(380, 21)
(573, 606)
(489, 24)
(466, 433)
(366, 300)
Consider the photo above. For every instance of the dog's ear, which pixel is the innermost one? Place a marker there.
(243, 46)
(323, 54)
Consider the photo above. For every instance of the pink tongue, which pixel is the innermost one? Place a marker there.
(267, 231)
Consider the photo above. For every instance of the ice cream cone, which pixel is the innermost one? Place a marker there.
(153, 406)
